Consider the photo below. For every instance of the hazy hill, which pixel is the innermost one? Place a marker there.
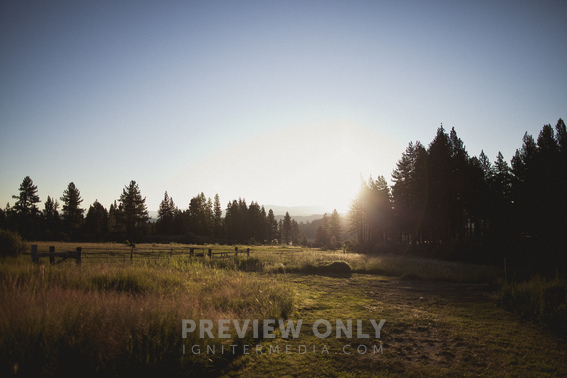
(309, 228)
(301, 218)
(296, 211)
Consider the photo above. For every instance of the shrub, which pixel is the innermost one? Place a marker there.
(539, 300)
(11, 244)
(340, 268)
(250, 264)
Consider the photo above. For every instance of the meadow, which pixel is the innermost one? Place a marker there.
(116, 316)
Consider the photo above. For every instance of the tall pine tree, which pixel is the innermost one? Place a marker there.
(133, 211)
(27, 199)
(96, 222)
(166, 216)
(72, 214)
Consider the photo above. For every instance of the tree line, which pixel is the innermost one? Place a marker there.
(441, 202)
(441, 199)
(128, 219)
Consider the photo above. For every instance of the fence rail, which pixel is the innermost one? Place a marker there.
(76, 254)
(95, 254)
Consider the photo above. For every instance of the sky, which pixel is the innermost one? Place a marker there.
(288, 103)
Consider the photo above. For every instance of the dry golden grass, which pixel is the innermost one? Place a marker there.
(63, 319)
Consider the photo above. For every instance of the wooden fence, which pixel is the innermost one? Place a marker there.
(76, 254)
(212, 254)
(129, 252)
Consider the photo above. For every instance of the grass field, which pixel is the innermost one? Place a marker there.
(113, 316)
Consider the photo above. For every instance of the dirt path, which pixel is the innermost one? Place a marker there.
(431, 328)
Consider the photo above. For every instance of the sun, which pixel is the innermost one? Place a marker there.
(338, 177)
(315, 164)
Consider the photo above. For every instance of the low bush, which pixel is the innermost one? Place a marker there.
(11, 244)
(539, 300)
(337, 267)
(340, 268)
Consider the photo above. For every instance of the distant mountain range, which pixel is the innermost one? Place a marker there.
(296, 211)
(301, 218)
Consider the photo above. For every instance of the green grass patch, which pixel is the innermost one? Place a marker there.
(431, 329)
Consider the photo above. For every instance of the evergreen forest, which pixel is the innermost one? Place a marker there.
(440, 202)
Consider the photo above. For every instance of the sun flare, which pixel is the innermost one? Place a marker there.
(316, 164)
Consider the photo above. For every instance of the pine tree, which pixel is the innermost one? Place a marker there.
(261, 224)
(548, 191)
(115, 221)
(231, 221)
(501, 205)
(50, 212)
(256, 222)
(486, 166)
(243, 226)
(441, 187)
(200, 215)
(3, 219)
(72, 214)
(96, 222)
(356, 220)
(502, 179)
(209, 218)
(335, 226)
(476, 205)
(27, 200)
(51, 217)
(24, 215)
(133, 211)
(295, 234)
(322, 236)
(561, 172)
(217, 218)
(286, 230)
(166, 215)
(280, 231)
(561, 135)
(379, 209)
(271, 226)
(409, 193)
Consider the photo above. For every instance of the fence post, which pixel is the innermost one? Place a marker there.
(505, 272)
(78, 255)
(235, 251)
(210, 253)
(248, 252)
(51, 255)
(34, 257)
(191, 252)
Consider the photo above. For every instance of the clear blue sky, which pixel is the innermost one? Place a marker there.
(285, 103)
